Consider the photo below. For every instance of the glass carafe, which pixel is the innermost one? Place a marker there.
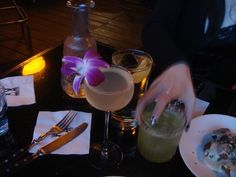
(78, 42)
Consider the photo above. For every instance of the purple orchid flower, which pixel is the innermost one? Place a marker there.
(87, 67)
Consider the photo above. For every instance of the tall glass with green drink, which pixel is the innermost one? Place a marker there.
(158, 143)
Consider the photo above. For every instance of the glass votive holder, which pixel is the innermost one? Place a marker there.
(6, 138)
(3, 112)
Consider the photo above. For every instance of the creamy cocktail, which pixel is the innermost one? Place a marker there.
(112, 94)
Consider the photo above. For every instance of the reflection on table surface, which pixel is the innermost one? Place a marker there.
(50, 97)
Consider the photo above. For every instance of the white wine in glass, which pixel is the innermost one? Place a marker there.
(114, 93)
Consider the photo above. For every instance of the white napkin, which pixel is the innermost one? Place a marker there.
(200, 107)
(79, 145)
(26, 85)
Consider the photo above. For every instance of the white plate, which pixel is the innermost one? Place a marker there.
(190, 141)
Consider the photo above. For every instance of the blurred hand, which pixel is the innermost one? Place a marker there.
(174, 83)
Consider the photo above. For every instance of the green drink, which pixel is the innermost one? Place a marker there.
(158, 142)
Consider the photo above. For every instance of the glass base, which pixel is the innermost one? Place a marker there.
(123, 120)
(66, 83)
(105, 158)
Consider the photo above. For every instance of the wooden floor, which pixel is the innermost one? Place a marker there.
(114, 22)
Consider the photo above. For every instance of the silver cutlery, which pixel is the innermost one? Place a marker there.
(47, 149)
(56, 129)
(14, 91)
(61, 126)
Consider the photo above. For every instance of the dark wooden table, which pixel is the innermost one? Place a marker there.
(50, 97)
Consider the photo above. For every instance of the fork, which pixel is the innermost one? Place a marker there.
(54, 130)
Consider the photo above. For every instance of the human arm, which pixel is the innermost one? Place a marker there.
(174, 83)
(160, 40)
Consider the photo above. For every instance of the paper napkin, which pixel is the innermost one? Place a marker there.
(79, 145)
(200, 107)
(26, 90)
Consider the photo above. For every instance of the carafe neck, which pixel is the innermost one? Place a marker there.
(80, 20)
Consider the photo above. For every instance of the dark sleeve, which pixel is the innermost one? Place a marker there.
(158, 33)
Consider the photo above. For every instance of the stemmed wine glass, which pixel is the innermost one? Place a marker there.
(114, 93)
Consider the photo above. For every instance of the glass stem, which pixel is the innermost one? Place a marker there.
(106, 135)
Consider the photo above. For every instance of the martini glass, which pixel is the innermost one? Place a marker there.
(114, 93)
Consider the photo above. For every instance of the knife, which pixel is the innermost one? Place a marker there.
(47, 149)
